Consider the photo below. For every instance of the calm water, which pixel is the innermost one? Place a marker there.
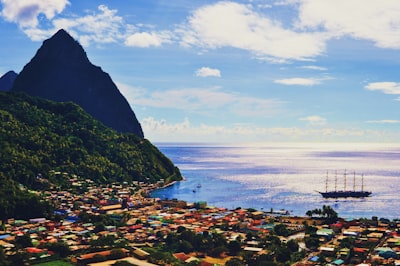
(287, 176)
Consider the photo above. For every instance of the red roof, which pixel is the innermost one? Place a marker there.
(137, 226)
(338, 225)
(34, 250)
(181, 256)
(360, 250)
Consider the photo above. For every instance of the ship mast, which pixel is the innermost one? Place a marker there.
(335, 180)
(326, 182)
(362, 182)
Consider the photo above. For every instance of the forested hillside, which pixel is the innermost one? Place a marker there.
(40, 136)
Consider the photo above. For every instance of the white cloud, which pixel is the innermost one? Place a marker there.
(298, 81)
(206, 101)
(101, 27)
(314, 120)
(229, 24)
(152, 125)
(385, 87)
(387, 121)
(247, 27)
(208, 72)
(145, 39)
(25, 12)
(185, 131)
(377, 21)
(315, 68)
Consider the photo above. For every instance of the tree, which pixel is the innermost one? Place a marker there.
(185, 246)
(234, 262)
(326, 212)
(283, 254)
(234, 247)
(281, 230)
(3, 258)
(99, 227)
(180, 229)
(292, 245)
(193, 263)
(330, 214)
(98, 258)
(60, 248)
(310, 229)
(312, 242)
(218, 240)
(249, 236)
(23, 241)
(218, 251)
(117, 254)
(104, 241)
(122, 263)
(187, 235)
(171, 239)
(265, 260)
(19, 258)
(347, 242)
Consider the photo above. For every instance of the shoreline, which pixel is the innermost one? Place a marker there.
(171, 183)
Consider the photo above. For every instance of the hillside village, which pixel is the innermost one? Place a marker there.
(100, 225)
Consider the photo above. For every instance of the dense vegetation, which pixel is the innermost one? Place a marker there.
(18, 203)
(41, 137)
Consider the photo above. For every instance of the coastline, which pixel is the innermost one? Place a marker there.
(285, 177)
(172, 183)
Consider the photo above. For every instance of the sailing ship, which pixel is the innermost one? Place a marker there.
(345, 193)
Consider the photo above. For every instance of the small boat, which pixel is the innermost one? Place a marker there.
(198, 185)
(345, 193)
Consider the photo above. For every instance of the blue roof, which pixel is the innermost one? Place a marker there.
(4, 236)
(338, 262)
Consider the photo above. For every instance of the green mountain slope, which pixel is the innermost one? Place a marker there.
(39, 136)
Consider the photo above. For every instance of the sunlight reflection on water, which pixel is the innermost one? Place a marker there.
(287, 176)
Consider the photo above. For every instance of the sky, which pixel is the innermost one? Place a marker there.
(233, 71)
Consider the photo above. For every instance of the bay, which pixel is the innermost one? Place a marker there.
(288, 176)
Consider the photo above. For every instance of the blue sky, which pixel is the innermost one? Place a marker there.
(233, 71)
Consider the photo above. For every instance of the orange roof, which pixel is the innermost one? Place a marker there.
(205, 263)
(91, 255)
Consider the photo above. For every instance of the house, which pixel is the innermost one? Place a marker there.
(85, 258)
(141, 254)
(184, 257)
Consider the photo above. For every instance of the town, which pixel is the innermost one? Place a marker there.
(119, 224)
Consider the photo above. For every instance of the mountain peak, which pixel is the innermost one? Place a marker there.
(62, 47)
(61, 71)
(61, 33)
(7, 80)
(62, 38)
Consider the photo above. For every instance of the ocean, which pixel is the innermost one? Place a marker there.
(287, 176)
